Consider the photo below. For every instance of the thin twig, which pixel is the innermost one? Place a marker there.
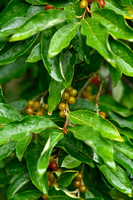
(98, 95)
(58, 154)
(66, 123)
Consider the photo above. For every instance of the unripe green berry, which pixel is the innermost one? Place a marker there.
(83, 188)
(45, 107)
(62, 106)
(73, 92)
(36, 105)
(83, 4)
(29, 111)
(65, 95)
(71, 100)
(62, 114)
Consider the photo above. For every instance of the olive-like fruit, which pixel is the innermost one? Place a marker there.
(53, 165)
(77, 183)
(29, 111)
(39, 113)
(45, 197)
(73, 92)
(65, 95)
(71, 100)
(103, 114)
(79, 177)
(30, 103)
(69, 89)
(55, 185)
(45, 107)
(62, 114)
(62, 106)
(83, 188)
(51, 177)
(49, 183)
(36, 105)
(83, 4)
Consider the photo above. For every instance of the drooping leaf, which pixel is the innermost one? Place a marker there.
(66, 178)
(32, 155)
(30, 194)
(92, 137)
(35, 54)
(22, 145)
(7, 149)
(117, 178)
(18, 130)
(39, 22)
(115, 73)
(95, 120)
(43, 161)
(115, 24)
(17, 50)
(62, 38)
(70, 162)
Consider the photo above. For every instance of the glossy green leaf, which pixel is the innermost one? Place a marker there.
(34, 2)
(115, 24)
(2, 100)
(91, 119)
(62, 38)
(39, 22)
(51, 64)
(18, 105)
(3, 42)
(33, 10)
(55, 91)
(83, 104)
(15, 8)
(17, 184)
(17, 130)
(8, 114)
(118, 8)
(92, 137)
(97, 38)
(30, 194)
(80, 151)
(115, 73)
(106, 101)
(70, 162)
(123, 160)
(35, 54)
(92, 193)
(15, 167)
(117, 178)
(7, 149)
(22, 145)
(11, 26)
(17, 50)
(32, 156)
(43, 161)
(66, 178)
(123, 56)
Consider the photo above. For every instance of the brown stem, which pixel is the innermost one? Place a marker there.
(58, 154)
(82, 169)
(66, 123)
(98, 95)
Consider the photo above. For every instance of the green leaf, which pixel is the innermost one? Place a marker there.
(123, 160)
(22, 145)
(123, 56)
(17, 184)
(97, 38)
(80, 151)
(32, 156)
(8, 114)
(55, 91)
(11, 26)
(33, 10)
(62, 38)
(15, 167)
(3, 42)
(35, 54)
(34, 2)
(118, 8)
(30, 195)
(39, 22)
(51, 64)
(91, 193)
(7, 149)
(115, 73)
(127, 3)
(18, 130)
(115, 24)
(66, 178)
(106, 101)
(17, 50)
(70, 162)
(117, 178)
(15, 8)
(2, 100)
(43, 161)
(58, 3)
(92, 137)
(83, 104)
(95, 120)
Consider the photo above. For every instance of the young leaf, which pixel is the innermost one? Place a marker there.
(43, 161)
(97, 38)
(17, 50)
(66, 178)
(117, 178)
(115, 24)
(35, 54)
(62, 38)
(30, 195)
(91, 119)
(7, 149)
(32, 156)
(39, 22)
(70, 162)
(92, 137)
(22, 145)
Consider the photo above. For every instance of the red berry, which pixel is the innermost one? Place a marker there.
(102, 3)
(94, 81)
(48, 7)
(53, 165)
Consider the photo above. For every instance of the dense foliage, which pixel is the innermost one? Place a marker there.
(66, 100)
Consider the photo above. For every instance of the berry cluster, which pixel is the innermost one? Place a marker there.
(87, 93)
(85, 3)
(78, 183)
(69, 97)
(35, 107)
